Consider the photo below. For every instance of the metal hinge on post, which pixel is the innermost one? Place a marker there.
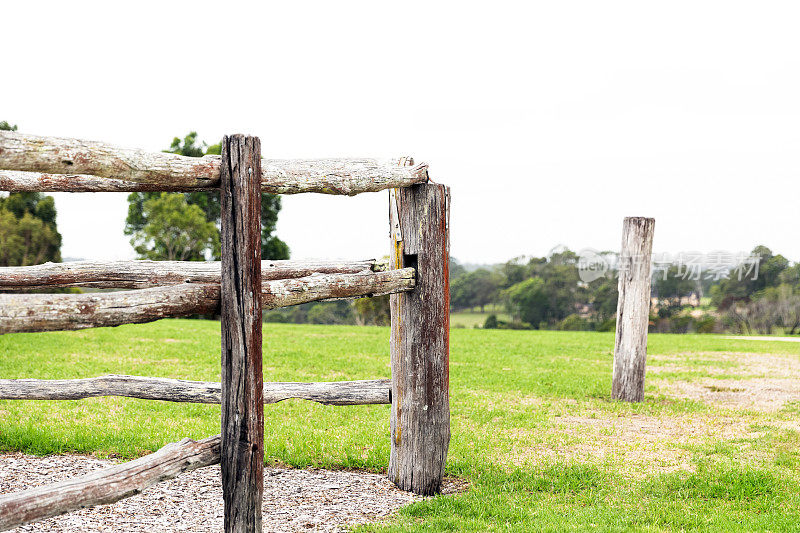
(397, 232)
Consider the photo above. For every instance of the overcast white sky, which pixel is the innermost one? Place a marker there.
(551, 121)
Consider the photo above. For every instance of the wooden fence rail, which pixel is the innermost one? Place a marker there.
(53, 164)
(57, 312)
(359, 392)
(238, 288)
(143, 274)
(107, 485)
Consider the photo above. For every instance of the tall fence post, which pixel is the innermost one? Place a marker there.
(420, 338)
(633, 309)
(242, 447)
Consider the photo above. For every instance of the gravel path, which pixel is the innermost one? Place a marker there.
(294, 500)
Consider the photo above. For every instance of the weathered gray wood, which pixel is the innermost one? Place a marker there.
(360, 392)
(242, 451)
(286, 292)
(57, 312)
(144, 274)
(21, 181)
(107, 485)
(56, 164)
(420, 351)
(54, 312)
(633, 309)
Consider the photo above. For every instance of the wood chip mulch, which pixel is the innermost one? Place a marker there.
(294, 499)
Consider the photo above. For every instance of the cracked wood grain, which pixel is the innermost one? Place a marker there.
(144, 274)
(57, 312)
(420, 339)
(633, 309)
(359, 392)
(54, 164)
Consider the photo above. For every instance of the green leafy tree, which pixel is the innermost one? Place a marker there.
(175, 230)
(604, 299)
(477, 288)
(271, 246)
(456, 269)
(733, 289)
(527, 301)
(28, 231)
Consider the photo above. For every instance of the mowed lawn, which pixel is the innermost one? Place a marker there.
(534, 432)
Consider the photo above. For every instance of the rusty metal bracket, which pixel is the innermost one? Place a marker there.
(396, 232)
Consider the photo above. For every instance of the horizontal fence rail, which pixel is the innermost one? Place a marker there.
(359, 392)
(20, 181)
(53, 164)
(108, 485)
(54, 312)
(144, 274)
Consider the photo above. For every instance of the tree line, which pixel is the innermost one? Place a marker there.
(548, 293)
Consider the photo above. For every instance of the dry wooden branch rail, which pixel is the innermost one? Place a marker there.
(633, 309)
(107, 485)
(359, 392)
(53, 164)
(56, 312)
(20, 181)
(145, 274)
(286, 292)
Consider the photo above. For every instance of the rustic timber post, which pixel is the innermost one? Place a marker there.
(242, 448)
(633, 309)
(420, 338)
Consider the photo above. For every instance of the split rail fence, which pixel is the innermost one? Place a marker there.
(238, 288)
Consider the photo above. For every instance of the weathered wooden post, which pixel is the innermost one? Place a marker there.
(242, 448)
(420, 338)
(633, 309)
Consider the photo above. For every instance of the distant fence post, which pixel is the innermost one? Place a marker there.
(242, 447)
(633, 309)
(420, 339)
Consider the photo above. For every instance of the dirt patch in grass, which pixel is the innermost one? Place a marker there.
(638, 444)
(758, 394)
(768, 381)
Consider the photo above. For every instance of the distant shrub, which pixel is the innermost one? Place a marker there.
(277, 317)
(607, 325)
(515, 324)
(706, 324)
(574, 322)
(491, 322)
(681, 324)
(331, 313)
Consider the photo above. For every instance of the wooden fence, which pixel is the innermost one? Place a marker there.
(238, 288)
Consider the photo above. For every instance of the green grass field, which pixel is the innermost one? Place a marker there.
(533, 429)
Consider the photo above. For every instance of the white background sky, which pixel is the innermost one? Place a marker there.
(551, 121)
